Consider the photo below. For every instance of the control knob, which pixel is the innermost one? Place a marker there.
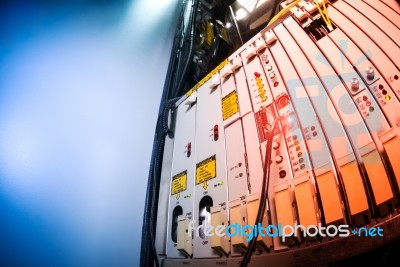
(370, 73)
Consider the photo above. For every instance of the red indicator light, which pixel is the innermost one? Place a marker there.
(189, 149)
(365, 98)
(368, 103)
(216, 133)
(257, 74)
(282, 101)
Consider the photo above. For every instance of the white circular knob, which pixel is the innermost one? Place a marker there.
(370, 73)
(272, 75)
(279, 159)
(355, 84)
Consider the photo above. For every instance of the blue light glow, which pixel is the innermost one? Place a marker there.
(79, 95)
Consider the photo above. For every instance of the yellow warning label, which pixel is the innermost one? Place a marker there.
(179, 183)
(229, 105)
(206, 170)
(207, 77)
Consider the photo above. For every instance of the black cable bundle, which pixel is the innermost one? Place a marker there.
(173, 87)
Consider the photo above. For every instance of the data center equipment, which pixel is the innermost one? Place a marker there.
(302, 119)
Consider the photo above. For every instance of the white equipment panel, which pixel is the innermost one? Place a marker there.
(182, 181)
(335, 151)
(211, 187)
